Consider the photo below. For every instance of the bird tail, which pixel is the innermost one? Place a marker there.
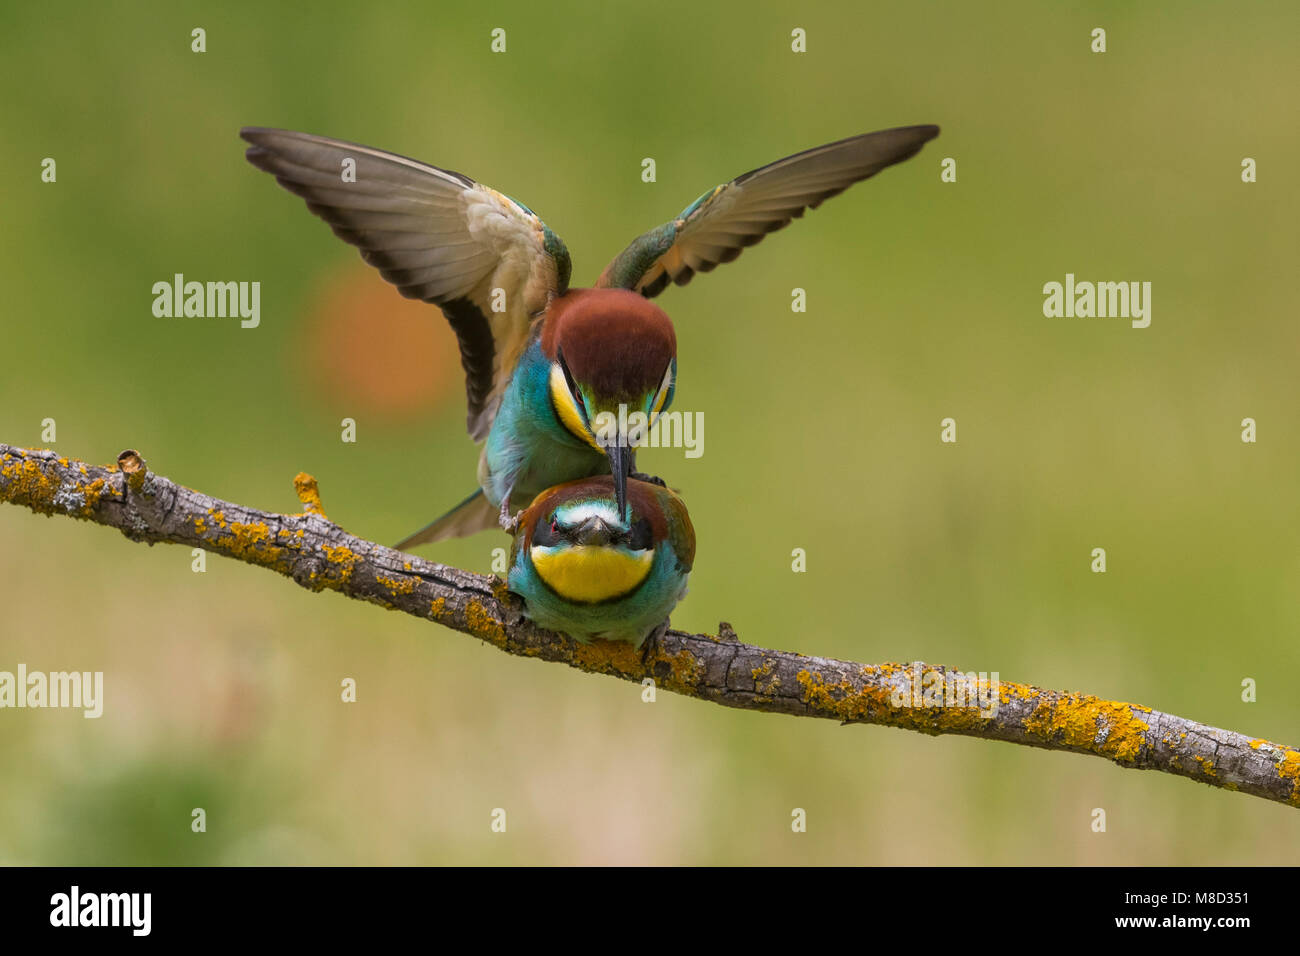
(472, 515)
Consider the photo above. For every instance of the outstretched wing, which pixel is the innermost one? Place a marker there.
(487, 260)
(726, 219)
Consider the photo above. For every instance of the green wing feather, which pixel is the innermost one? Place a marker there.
(716, 227)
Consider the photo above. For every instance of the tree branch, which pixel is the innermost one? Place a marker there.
(320, 555)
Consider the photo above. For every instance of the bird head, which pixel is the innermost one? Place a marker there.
(583, 547)
(613, 360)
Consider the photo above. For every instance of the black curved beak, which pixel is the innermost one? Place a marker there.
(620, 465)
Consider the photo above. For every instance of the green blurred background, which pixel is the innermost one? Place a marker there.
(924, 301)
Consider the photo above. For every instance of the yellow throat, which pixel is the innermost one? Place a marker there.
(589, 574)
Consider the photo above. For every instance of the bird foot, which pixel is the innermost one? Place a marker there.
(509, 523)
(652, 479)
(651, 642)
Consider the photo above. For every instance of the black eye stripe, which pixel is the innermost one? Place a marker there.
(542, 534)
(568, 380)
(640, 538)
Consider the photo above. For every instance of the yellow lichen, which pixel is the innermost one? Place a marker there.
(93, 492)
(253, 533)
(1084, 722)
(27, 484)
(874, 700)
(248, 542)
(483, 625)
(678, 672)
(840, 699)
(1289, 770)
(344, 557)
(684, 670)
(397, 586)
(761, 685)
(608, 657)
(1287, 761)
(308, 493)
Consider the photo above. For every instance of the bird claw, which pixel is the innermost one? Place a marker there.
(509, 523)
(651, 642)
(651, 479)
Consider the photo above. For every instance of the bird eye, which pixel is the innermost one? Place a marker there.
(545, 533)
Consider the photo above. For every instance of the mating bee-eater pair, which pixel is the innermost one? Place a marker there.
(598, 551)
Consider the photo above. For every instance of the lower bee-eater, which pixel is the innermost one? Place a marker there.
(588, 569)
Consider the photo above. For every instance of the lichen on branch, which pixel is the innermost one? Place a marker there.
(320, 555)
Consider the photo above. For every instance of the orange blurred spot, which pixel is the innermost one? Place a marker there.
(371, 350)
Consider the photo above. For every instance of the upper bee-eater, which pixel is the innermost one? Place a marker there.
(586, 567)
(544, 363)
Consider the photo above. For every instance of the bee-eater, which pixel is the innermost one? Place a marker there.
(545, 364)
(589, 569)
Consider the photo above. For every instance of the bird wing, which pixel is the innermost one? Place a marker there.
(681, 533)
(471, 516)
(721, 223)
(487, 260)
